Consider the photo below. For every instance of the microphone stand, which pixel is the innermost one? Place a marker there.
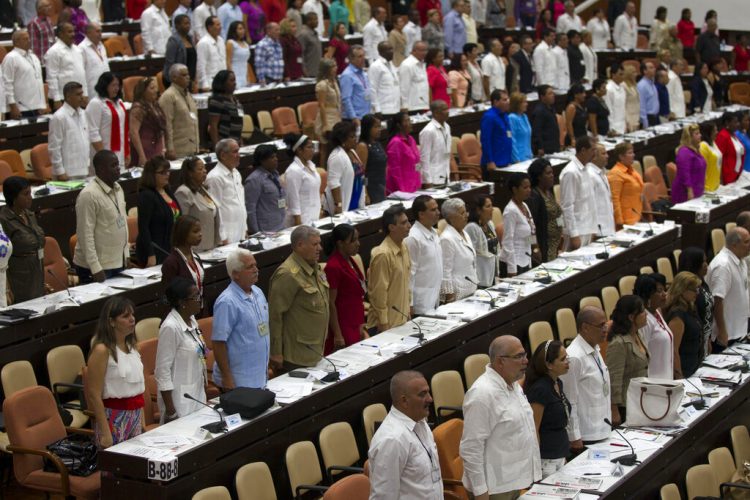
(63, 285)
(605, 254)
(544, 280)
(650, 231)
(493, 305)
(213, 427)
(419, 336)
(698, 405)
(332, 376)
(629, 459)
(329, 225)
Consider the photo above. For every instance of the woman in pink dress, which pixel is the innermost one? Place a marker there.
(403, 157)
(437, 77)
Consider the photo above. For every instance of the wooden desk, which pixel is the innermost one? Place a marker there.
(137, 66)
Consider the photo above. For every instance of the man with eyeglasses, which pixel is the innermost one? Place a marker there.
(240, 332)
(499, 445)
(587, 381)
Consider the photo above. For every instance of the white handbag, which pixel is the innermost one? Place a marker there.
(654, 402)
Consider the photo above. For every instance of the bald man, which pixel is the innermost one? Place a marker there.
(499, 445)
(94, 56)
(22, 79)
(403, 457)
(269, 60)
(587, 381)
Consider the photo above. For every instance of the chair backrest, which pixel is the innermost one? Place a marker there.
(729, 226)
(213, 493)
(671, 168)
(132, 229)
(307, 113)
(654, 175)
(284, 121)
(447, 390)
(700, 481)
(13, 158)
(31, 429)
(441, 226)
(646, 270)
(664, 266)
(254, 482)
(474, 366)
(566, 325)
(670, 492)
(64, 364)
(147, 328)
(128, 87)
(354, 487)
(338, 446)
(589, 301)
(302, 465)
(626, 284)
(539, 331)
(248, 127)
(454, 145)
(138, 44)
(610, 296)
(638, 168)
(118, 45)
(676, 253)
(740, 445)
(649, 195)
(160, 82)
(265, 122)
(648, 162)
(16, 376)
(40, 162)
(54, 263)
(469, 150)
(718, 239)
(739, 93)
(5, 172)
(371, 415)
(206, 326)
(642, 42)
(448, 440)
(722, 462)
(563, 129)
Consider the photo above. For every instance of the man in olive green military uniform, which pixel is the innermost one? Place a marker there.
(298, 304)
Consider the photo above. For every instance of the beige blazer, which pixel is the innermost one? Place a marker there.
(182, 121)
(196, 205)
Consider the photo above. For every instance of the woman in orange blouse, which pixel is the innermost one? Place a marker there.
(626, 185)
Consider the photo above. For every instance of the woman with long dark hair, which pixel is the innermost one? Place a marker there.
(238, 52)
(576, 117)
(157, 211)
(148, 125)
(373, 156)
(519, 231)
(181, 261)
(693, 260)
(656, 334)
(545, 210)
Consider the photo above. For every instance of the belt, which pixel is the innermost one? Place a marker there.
(132, 403)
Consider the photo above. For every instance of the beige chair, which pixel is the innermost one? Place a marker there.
(556, 192)
(447, 393)
(566, 325)
(338, 447)
(539, 331)
(740, 445)
(64, 365)
(474, 367)
(664, 266)
(626, 284)
(372, 416)
(610, 296)
(646, 270)
(700, 481)
(17, 375)
(670, 492)
(248, 127)
(677, 252)
(649, 161)
(441, 226)
(303, 468)
(729, 226)
(591, 300)
(265, 122)
(147, 328)
(637, 167)
(254, 482)
(722, 463)
(717, 240)
(213, 493)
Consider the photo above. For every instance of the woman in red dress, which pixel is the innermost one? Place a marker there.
(741, 54)
(347, 287)
(437, 77)
(338, 48)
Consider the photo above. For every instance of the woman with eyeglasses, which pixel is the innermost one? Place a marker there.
(157, 211)
(658, 337)
(551, 408)
(186, 236)
(180, 353)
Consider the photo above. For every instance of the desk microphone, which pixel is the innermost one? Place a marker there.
(160, 249)
(419, 336)
(329, 225)
(214, 427)
(332, 376)
(63, 285)
(492, 299)
(629, 459)
(701, 403)
(650, 231)
(545, 280)
(605, 254)
(742, 365)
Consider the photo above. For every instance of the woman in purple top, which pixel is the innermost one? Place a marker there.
(74, 14)
(691, 166)
(256, 19)
(403, 156)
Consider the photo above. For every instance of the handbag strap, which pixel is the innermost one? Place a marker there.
(666, 412)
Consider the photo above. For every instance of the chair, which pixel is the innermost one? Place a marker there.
(213, 493)
(355, 487)
(671, 172)
(147, 350)
(676, 253)
(254, 482)
(55, 270)
(539, 331)
(563, 129)
(469, 158)
(16, 376)
(303, 468)
(29, 433)
(740, 444)
(654, 175)
(64, 365)
(454, 146)
(128, 87)
(590, 301)
(739, 93)
(117, 46)
(650, 195)
(41, 166)
(160, 82)
(308, 112)
(265, 122)
(556, 192)
(373, 415)
(700, 481)
(132, 231)
(688, 95)
(718, 239)
(664, 266)
(474, 367)
(729, 226)
(722, 463)
(626, 284)
(138, 44)
(248, 127)
(447, 393)
(339, 449)
(638, 168)
(610, 296)
(646, 270)
(448, 439)
(642, 42)
(284, 121)
(566, 325)
(13, 158)
(206, 326)
(5, 172)
(670, 492)
(147, 328)
(649, 161)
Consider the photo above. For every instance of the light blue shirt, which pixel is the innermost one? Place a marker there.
(649, 99)
(238, 317)
(520, 128)
(228, 13)
(355, 93)
(454, 30)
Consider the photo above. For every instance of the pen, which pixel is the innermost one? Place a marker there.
(618, 445)
(592, 474)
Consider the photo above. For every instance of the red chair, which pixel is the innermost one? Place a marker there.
(284, 121)
(5, 172)
(40, 162)
(55, 270)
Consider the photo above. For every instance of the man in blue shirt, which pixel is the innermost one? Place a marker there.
(356, 95)
(454, 29)
(228, 13)
(240, 332)
(269, 57)
(497, 141)
(649, 96)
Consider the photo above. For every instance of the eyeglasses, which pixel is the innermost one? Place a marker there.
(517, 357)
(162, 172)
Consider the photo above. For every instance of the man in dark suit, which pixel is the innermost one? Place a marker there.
(545, 133)
(526, 69)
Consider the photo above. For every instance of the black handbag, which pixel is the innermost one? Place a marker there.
(78, 454)
(246, 401)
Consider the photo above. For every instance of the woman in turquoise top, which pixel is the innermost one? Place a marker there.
(742, 134)
(520, 128)
(339, 14)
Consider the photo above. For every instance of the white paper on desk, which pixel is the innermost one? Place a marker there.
(581, 467)
(135, 272)
(722, 360)
(289, 390)
(584, 483)
(655, 437)
(121, 283)
(165, 441)
(94, 289)
(708, 373)
(545, 492)
(134, 449)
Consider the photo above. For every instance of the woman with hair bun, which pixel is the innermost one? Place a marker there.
(302, 182)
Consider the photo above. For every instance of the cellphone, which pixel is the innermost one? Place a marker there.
(298, 374)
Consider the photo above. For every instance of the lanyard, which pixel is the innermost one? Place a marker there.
(429, 455)
(275, 180)
(113, 200)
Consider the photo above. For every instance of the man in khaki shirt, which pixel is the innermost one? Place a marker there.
(390, 273)
(181, 113)
(101, 224)
(298, 304)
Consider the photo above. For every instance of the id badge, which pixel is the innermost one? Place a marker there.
(510, 134)
(193, 116)
(532, 239)
(560, 221)
(282, 202)
(120, 222)
(263, 329)
(299, 60)
(436, 475)
(40, 254)
(240, 112)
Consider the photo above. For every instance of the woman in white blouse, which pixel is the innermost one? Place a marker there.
(302, 182)
(519, 231)
(180, 353)
(599, 29)
(481, 230)
(459, 256)
(659, 340)
(590, 59)
(345, 188)
(107, 119)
